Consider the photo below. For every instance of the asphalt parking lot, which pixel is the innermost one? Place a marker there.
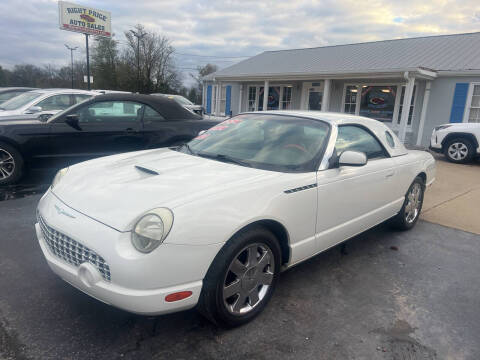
(411, 295)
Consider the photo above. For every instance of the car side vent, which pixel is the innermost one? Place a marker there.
(306, 187)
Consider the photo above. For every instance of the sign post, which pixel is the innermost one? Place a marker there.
(85, 20)
(89, 86)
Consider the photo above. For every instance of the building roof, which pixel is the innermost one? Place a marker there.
(457, 52)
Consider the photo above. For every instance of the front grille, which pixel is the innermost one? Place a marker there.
(72, 251)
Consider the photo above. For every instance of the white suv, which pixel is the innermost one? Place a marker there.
(459, 142)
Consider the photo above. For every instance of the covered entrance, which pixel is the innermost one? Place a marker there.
(312, 95)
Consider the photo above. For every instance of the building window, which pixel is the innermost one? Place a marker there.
(279, 97)
(273, 100)
(412, 106)
(378, 102)
(350, 104)
(286, 98)
(252, 98)
(474, 110)
(223, 99)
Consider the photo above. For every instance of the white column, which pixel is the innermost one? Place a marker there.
(240, 99)
(423, 115)
(407, 100)
(326, 95)
(265, 95)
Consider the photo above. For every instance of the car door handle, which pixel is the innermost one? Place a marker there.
(130, 130)
(390, 174)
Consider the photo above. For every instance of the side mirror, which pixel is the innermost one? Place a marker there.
(72, 120)
(352, 158)
(201, 132)
(33, 109)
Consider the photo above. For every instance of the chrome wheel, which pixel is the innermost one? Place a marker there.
(248, 278)
(457, 151)
(414, 202)
(7, 164)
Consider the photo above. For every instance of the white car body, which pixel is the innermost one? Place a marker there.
(441, 133)
(43, 94)
(211, 201)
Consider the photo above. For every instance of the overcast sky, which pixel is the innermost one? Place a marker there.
(29, 30)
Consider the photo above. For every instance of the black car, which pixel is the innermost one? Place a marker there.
(9, 92)
(103, 125)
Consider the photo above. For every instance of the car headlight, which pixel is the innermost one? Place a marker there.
(60, 174)
(151, 229)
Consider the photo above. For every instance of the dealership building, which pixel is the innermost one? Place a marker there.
(412, 84)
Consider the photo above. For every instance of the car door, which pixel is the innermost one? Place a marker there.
(352, 199)
(161, 132)
(102, 128)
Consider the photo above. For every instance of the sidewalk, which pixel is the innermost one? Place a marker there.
(454, 198)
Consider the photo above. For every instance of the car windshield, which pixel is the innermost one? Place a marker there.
(181, 100)
(266, 141)
(8, 95)
(20, 100)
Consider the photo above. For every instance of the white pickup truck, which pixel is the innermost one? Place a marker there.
(459, 142)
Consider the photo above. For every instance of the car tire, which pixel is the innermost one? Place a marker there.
(11, 164)
(242, 278)
(408, 215)
(459, 150)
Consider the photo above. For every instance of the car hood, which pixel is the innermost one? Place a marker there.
(10, 112)
(116, 190)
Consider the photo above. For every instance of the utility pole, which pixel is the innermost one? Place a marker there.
(139, 35)
(88, 63)
(71, 56)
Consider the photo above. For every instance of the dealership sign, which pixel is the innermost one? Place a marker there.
(85, 20)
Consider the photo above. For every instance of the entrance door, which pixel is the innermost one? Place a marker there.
(313, 95)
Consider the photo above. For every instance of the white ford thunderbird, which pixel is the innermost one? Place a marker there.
(213, 222)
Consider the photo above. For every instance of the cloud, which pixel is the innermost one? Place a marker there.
(29, 29)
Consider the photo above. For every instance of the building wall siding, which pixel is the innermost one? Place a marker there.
(440, 104)
(438, 110)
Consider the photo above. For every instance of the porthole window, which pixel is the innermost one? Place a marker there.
(390, 140)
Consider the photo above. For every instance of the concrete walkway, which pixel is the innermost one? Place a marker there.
(454, 199)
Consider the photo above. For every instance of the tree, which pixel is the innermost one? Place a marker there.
(202, 71)
(105, 60)
(4, 76)
(112, 68)
(194, 96)
(157, 69)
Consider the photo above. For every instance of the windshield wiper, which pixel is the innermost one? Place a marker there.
(186, 146)
(225, 158)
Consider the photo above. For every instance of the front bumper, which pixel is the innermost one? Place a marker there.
(139, 282)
